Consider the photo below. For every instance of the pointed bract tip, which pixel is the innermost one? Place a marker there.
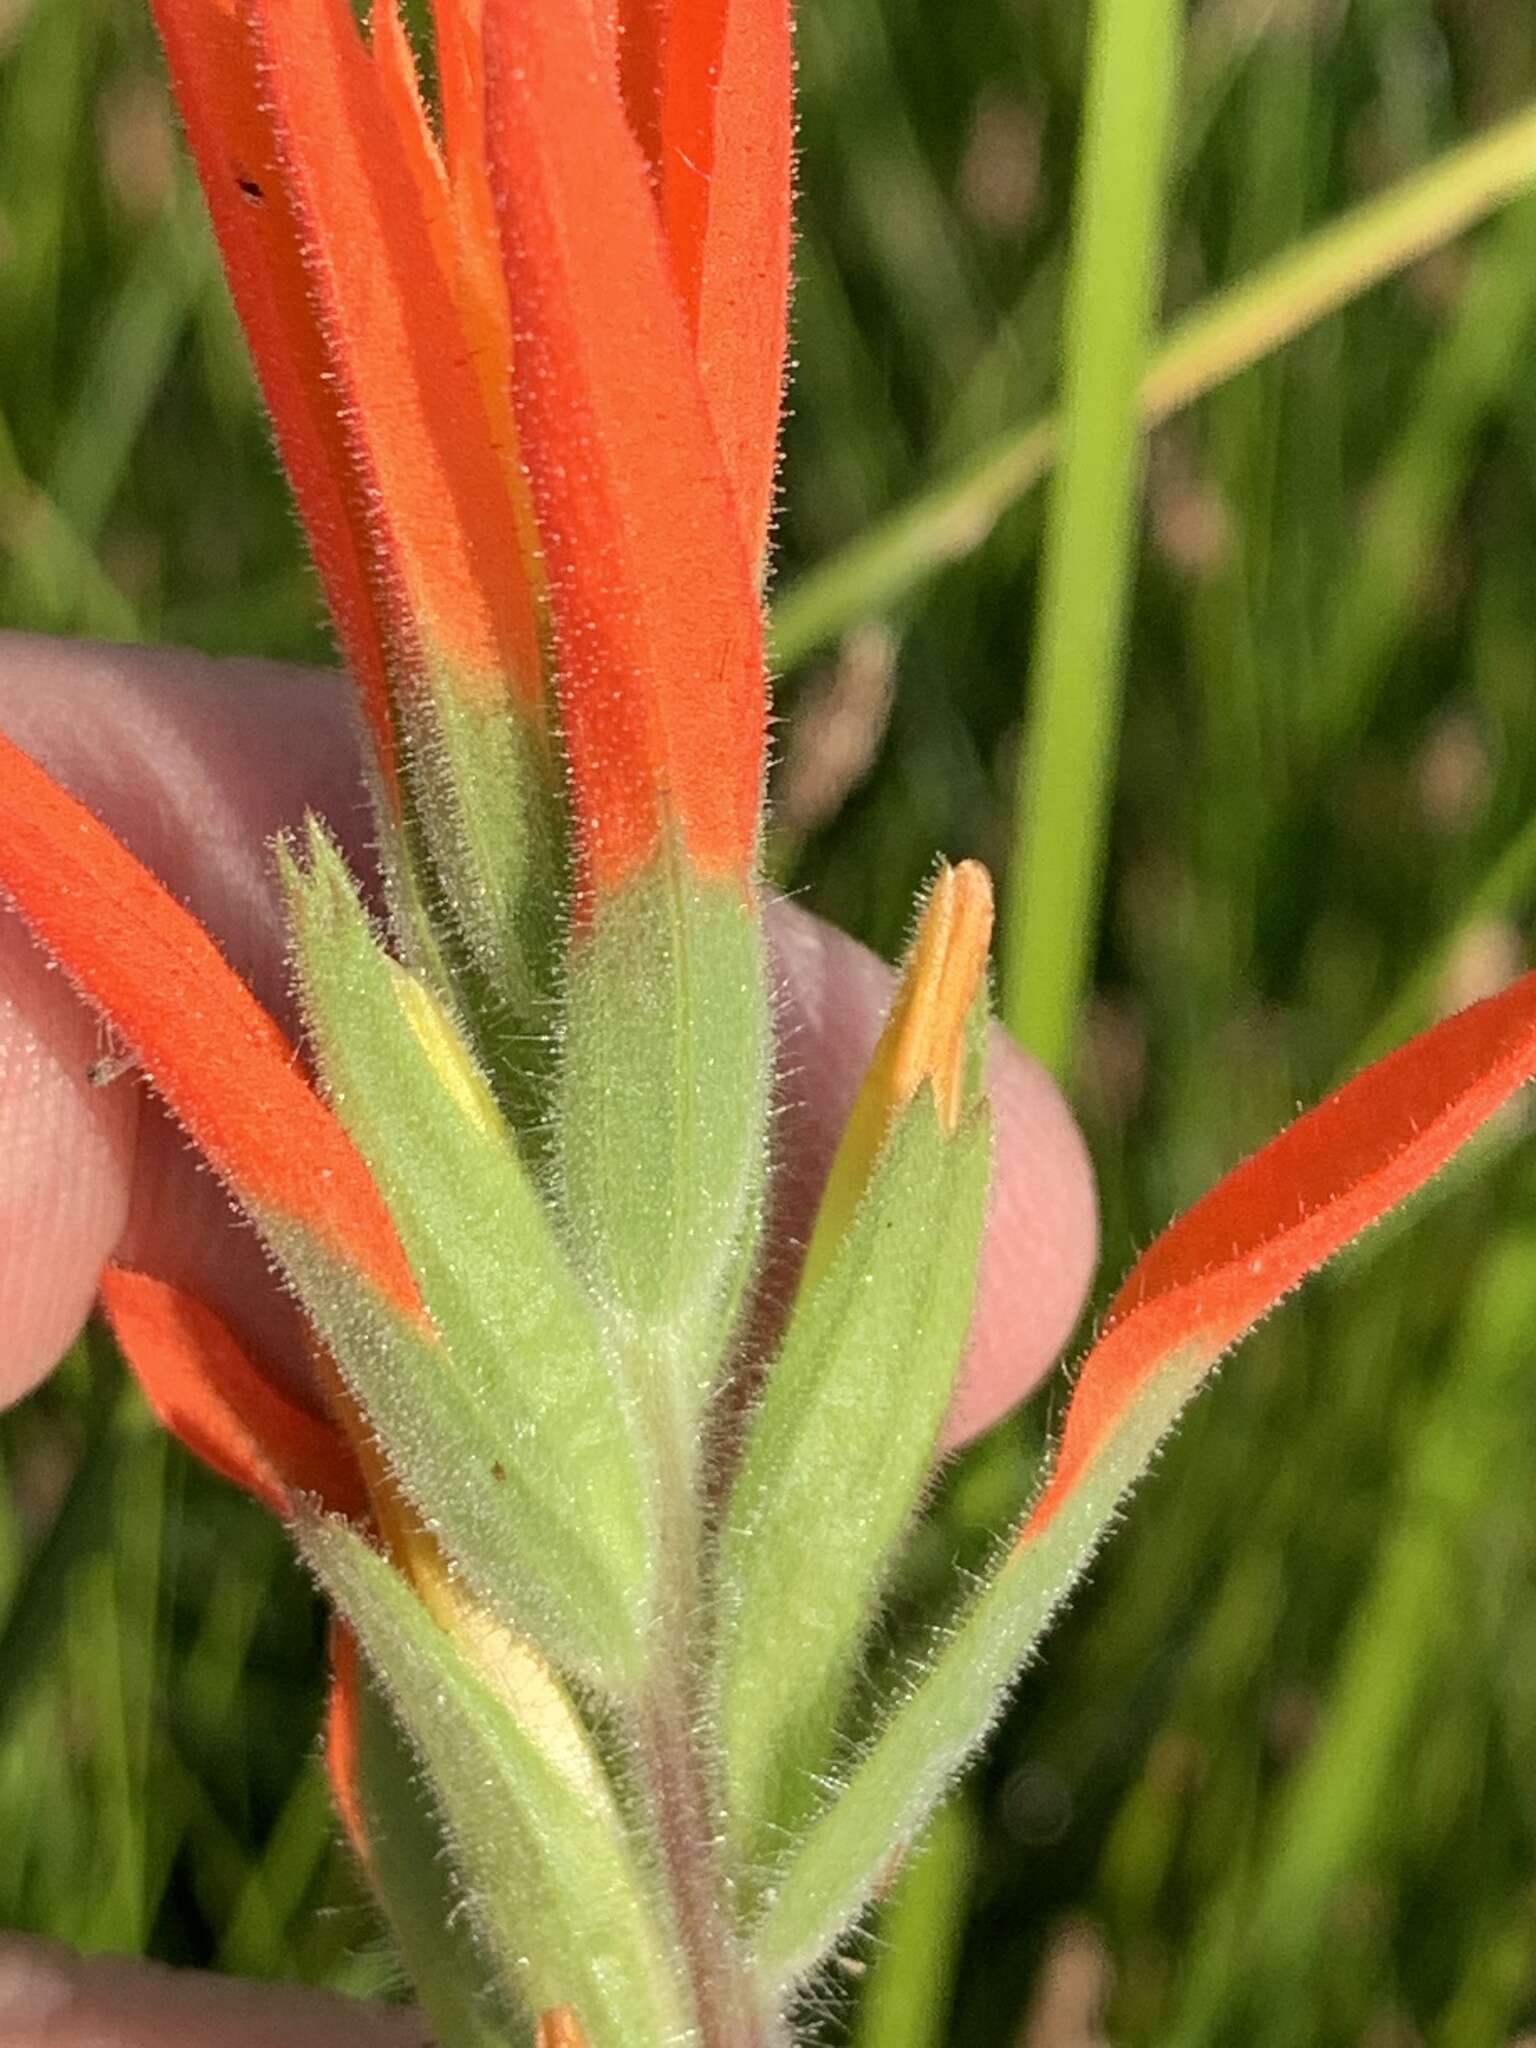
(560, 2028)
(926, 1040)
(1283, 1213)
(945, 972)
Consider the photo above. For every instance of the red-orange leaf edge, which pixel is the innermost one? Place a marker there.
(219, 1060)
(1285, 1211)
(343, 1741)
(204, 1387)
(230, 131)
(439, 500)
(726, 161)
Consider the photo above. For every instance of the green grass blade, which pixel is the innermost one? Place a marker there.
(906, 2001)
(1414, 499)
(1073, 714)
(1229, 332)
(126, 373)
(1458, 1455)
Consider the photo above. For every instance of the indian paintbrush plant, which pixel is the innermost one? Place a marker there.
(604, 1728)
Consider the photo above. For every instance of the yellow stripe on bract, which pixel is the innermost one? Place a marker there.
(924, 1040)
(439, 1039)
(519, 1675)
(510, 1666)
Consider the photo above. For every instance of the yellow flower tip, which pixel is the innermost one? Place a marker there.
(560, 2028)
(924, 1040)
(438, 1036)
(926, 1035)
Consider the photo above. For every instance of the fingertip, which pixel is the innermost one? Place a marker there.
(66, 1157)
(52, 1998)
(1042, 1242)
(196, 765)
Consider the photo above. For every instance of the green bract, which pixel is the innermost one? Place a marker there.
(506, 1424)
(661, 1112)
(690, 1573)
(836, 1457)
(564, 1908)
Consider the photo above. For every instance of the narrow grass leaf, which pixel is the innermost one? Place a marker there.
(1234, 329)
(1072, 718)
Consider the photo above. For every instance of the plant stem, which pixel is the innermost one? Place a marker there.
(724, 2001)
(677, 1767)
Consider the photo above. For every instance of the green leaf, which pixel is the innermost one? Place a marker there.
(836, 1460)
(563, 1904)
(509, 1429)
(1192, 1295)
(940, 1719)
(662, 1111)
(534, 1545)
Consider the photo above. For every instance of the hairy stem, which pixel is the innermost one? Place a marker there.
(679, 1766)
(725, 2000)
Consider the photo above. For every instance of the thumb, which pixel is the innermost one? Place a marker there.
(52, 1998)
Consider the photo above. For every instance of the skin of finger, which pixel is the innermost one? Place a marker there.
(66, 1157)
(197, 765)
(51, 1998)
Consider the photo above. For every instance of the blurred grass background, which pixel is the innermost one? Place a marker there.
(1274, 1781)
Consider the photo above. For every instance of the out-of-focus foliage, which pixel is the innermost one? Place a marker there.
(1275, 1780)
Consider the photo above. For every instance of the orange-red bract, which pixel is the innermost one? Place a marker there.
(656, 615)
(440, 512)
(727, 139)
(223, 1406)
(1285, 1211)
(261, 242)
(343, 1741)
(219, 1060)
(650, 318)
(707, 85)
(350, 310)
